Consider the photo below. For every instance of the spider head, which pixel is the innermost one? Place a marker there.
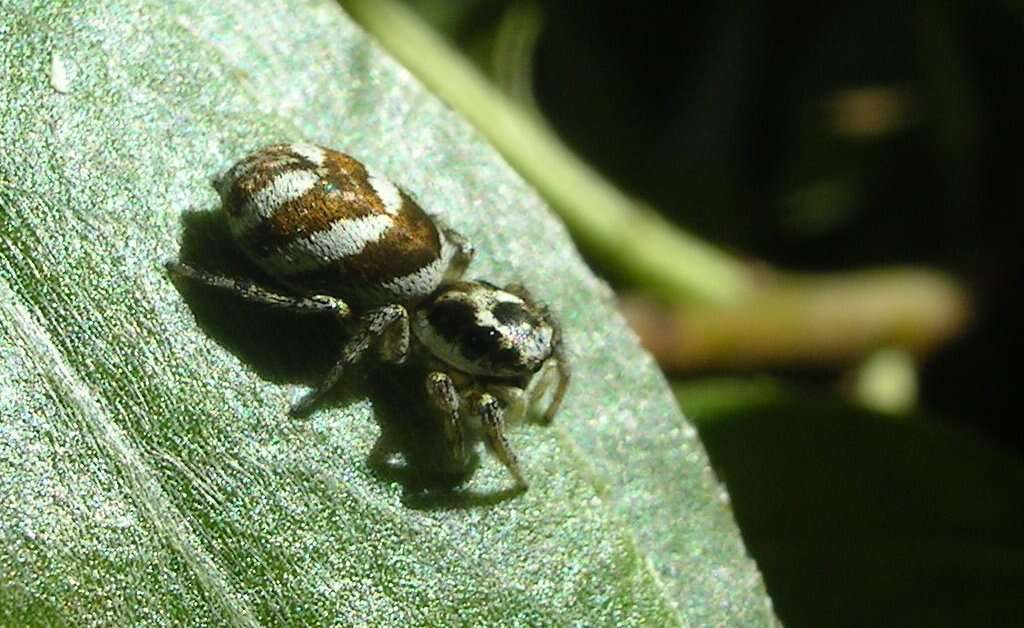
(481, 329)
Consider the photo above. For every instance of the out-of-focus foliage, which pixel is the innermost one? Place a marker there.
(148, 471)
(860, 520)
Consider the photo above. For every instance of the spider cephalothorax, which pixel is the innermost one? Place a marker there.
(346, 241)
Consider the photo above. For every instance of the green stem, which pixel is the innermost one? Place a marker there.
(613, 227)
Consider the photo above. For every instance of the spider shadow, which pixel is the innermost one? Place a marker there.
(412, 450)
(282, 347)
(287, 348)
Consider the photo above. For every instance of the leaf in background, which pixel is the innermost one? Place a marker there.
(148, 471)
(860, 519)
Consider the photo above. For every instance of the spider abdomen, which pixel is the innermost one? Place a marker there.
(321, 222)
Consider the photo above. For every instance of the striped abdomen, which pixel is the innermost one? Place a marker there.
(321, 222)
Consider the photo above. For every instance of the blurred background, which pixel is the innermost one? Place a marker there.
(826, 265)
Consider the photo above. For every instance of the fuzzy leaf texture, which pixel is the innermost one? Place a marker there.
(149, 473)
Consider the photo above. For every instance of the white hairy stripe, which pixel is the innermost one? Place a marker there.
(423, 281)
(418, 283)
(344, 238)
(387, 192)
(314, 154)
(264, 161)
(285, 187)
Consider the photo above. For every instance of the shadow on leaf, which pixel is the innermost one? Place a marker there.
(281, 347)
(411, 449)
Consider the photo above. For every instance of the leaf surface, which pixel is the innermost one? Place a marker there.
(148, 470)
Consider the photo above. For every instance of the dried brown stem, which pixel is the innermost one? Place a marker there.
(805, 320)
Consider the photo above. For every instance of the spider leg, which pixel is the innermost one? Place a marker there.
(394, 346)
(463, 254)
(564, 376)
(514, 399)
(442, 392)
(371, 326)
(492, 416)
(564, 371)
(520, 291)
(314, 304)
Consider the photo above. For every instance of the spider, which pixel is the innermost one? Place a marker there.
(343, 240)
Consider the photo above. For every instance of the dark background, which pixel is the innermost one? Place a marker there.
(728, 118)
(720, 114)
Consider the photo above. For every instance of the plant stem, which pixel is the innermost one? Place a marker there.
(613, 227)
(810, 321)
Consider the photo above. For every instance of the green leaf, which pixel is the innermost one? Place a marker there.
(861, 519)
(148, 471)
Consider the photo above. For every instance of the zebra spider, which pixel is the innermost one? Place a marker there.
(343, 240)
